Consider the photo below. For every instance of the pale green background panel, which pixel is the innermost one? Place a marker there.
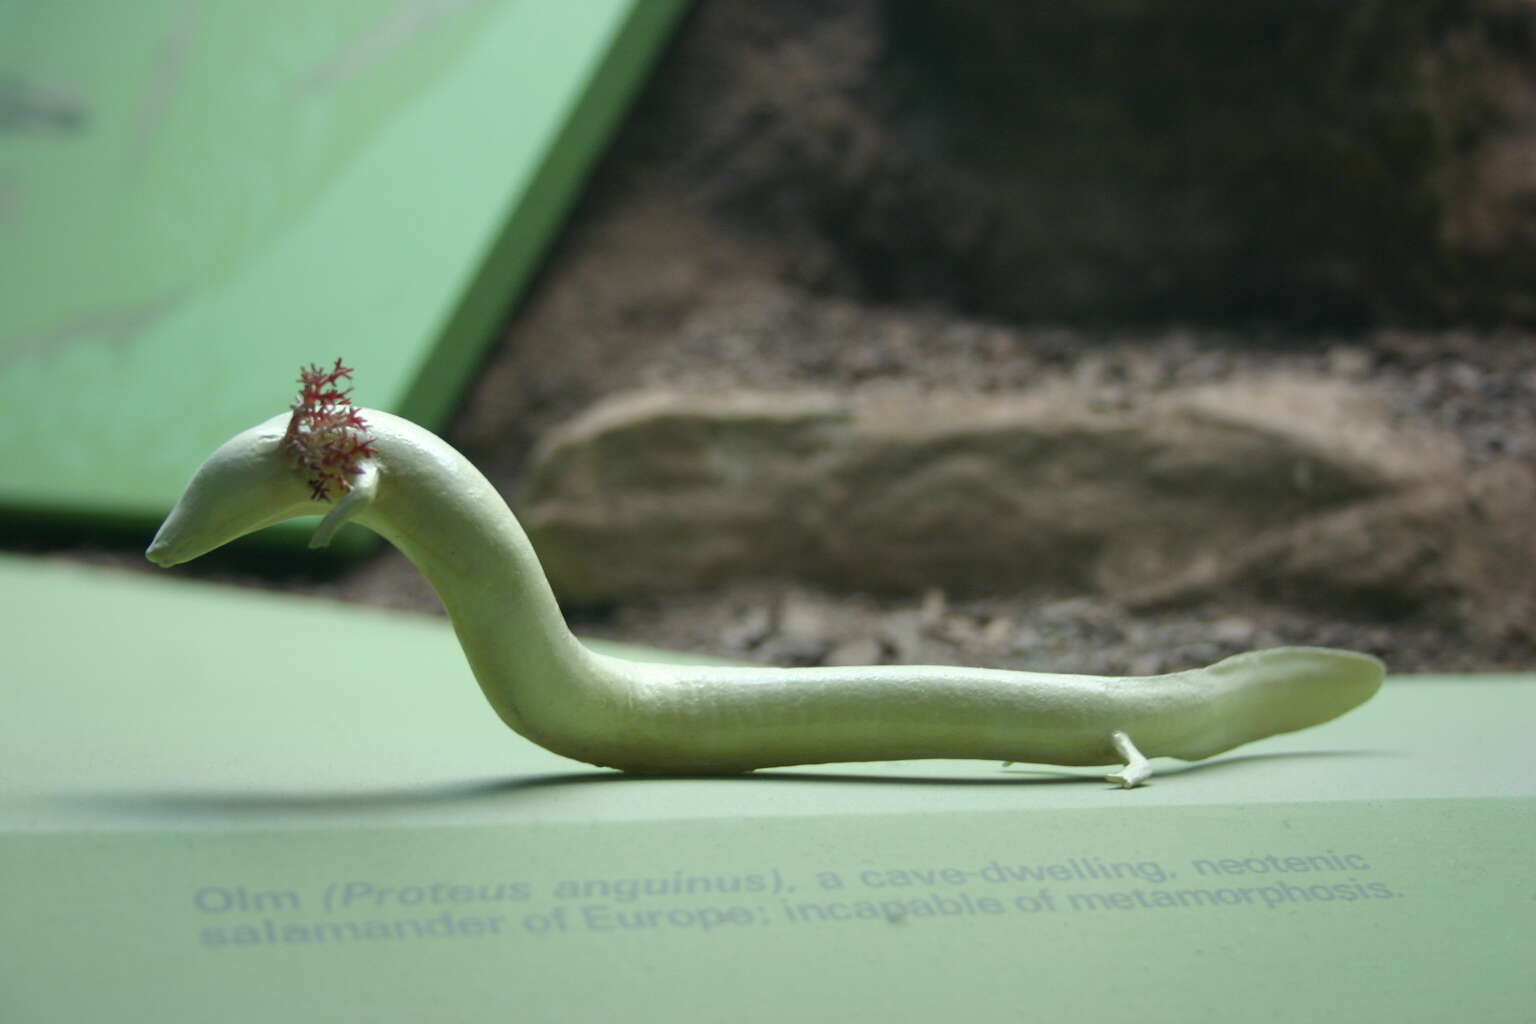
(196, 199)
(160, 740)
(150, 927)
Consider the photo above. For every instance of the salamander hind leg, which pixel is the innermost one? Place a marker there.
(1136, 769)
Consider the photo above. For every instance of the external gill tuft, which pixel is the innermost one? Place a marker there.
(327, 438)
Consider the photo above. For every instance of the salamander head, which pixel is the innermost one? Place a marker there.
(247, 484)
(291, 465)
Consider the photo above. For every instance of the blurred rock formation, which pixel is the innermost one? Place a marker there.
(1167, 305)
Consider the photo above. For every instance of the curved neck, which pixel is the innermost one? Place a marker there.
(452, 524)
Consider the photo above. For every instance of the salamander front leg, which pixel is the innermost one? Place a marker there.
(1136, 769)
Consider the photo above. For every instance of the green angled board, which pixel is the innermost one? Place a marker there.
(198, 198)
(218, 805)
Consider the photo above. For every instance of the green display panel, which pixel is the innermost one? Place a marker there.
(216, 805)
(198, 198)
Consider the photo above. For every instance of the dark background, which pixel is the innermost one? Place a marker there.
(968, 202)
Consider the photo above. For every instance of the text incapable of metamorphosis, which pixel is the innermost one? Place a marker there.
(366, 910)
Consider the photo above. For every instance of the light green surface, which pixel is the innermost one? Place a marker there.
(196, 199)
(169, 749)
